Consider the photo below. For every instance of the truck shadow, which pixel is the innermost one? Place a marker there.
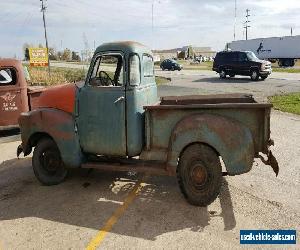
(233, 80)
(89, 198)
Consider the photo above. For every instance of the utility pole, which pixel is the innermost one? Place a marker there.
(152, 19)
(43, 9)
(247, 23)
(234, 20)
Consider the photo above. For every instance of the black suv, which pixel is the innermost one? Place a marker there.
(243, 63)
(170, 64)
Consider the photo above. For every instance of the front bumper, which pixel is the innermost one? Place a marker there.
(265, 72)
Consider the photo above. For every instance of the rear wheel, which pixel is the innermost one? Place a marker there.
(254, 75)
(222, 73)
(199, 174)
(47, 164)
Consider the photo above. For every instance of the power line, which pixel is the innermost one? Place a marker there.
(43, 9)
(247, 23)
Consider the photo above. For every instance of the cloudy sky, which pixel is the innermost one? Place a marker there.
(176, 22)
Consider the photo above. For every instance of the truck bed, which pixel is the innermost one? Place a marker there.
(163, 117)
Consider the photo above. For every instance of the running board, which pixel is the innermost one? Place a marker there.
(140, 166)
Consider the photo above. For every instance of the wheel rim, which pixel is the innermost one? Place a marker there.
(50, 161)
(198, 175)
(222, 73)
(254, 75)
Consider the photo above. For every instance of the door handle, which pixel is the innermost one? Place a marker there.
(119, 99)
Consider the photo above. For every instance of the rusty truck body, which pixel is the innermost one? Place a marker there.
(114, 121)
(16, 96)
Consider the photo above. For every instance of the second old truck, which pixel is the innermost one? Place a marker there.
(113, 121)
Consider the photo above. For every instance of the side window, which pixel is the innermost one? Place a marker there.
(148, 66)
(8, 76)
(233, 56)
(108, 71)
(242, 57)
(134, 70)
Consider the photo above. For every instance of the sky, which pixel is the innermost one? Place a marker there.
(176, 23)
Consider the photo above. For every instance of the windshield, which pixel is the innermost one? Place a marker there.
(251, 56)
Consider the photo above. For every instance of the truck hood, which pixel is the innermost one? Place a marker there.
(262, 61)
(60, 97)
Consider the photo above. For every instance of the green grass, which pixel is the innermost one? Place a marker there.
(286, 70)
(40, 76)
(287, 103)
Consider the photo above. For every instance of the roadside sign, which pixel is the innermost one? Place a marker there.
(38, 57)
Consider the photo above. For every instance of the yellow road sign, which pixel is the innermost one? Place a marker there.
(38, 57)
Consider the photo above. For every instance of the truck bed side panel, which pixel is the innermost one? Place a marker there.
(160, 123)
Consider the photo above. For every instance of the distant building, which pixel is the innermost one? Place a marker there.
(185, 52)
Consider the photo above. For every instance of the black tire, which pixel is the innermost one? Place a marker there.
(222, 74)
(47, 164)
(172, 69)
(254, 75)
(264, 77)
(199, 174)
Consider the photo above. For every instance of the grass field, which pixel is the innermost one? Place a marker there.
(40, 76)
(287, 103)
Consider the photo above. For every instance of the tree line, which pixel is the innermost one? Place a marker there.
(65, 55)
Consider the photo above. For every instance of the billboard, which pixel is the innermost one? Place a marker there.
(38, 57)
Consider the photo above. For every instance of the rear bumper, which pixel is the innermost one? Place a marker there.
(271, 160)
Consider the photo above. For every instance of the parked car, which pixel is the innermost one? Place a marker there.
(241, 63)
(170, 64)
(114, 122)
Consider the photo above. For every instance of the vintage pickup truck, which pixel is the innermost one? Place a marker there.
(114, 121)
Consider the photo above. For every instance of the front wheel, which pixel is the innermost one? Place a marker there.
(254, 75)
(264, 77)
(199, 174)
(47, 164)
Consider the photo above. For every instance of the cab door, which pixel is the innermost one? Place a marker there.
(101, 107)
(243, 64)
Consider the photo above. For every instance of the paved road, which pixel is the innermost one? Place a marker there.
(208, 82)
(124, 210)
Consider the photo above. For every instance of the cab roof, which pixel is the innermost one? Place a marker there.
(126, 47)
